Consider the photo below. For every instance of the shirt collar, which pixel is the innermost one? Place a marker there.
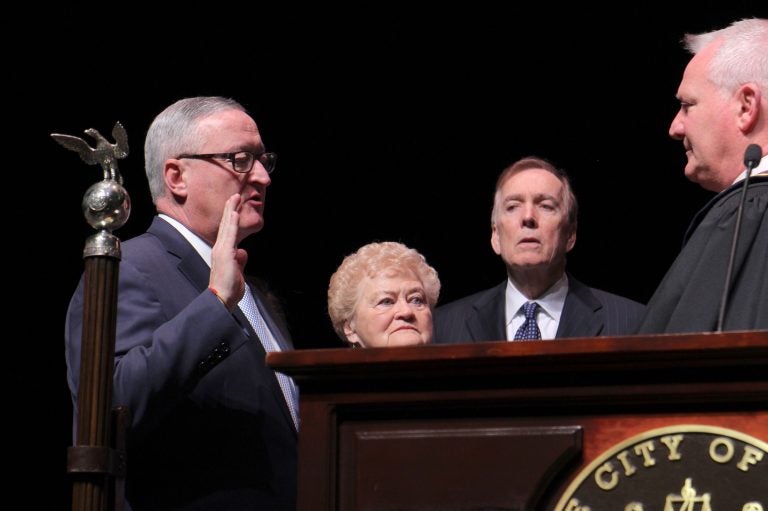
(551, 302)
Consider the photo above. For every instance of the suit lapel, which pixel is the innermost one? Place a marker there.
(488, 320)
(280, 335)
(582, 312)
(191, 265)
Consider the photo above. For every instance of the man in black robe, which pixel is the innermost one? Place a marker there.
(723, 109)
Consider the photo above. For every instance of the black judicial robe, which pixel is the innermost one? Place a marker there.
(688, 298)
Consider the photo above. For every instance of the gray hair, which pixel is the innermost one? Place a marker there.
(741, 58)
(389, 258)
(175, 131)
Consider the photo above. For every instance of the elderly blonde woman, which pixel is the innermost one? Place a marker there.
(383, 295)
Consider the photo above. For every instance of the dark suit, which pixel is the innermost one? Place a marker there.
(587, 312)
(210, 426)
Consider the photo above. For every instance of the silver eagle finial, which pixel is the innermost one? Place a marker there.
(105, 153)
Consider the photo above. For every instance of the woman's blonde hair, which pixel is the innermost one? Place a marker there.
(369, 261)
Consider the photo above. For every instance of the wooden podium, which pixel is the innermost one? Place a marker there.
(510, 425)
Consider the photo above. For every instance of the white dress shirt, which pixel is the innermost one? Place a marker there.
(548, 314)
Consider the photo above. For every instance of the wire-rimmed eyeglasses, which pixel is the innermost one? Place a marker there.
(241, 161)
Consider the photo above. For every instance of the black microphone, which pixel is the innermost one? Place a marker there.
(752, 157)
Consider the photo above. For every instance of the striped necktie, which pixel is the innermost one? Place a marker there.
(290, 392)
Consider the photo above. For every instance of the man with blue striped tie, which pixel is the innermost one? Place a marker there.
(533, 227)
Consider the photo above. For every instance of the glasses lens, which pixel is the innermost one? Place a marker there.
(268, 160)
(242, 162)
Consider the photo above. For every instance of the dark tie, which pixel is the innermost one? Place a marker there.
(251, 311)
(529, 329)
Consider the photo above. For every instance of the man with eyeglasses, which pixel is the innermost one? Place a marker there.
(212, 426)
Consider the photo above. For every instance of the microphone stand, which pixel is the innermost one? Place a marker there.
(752, 157)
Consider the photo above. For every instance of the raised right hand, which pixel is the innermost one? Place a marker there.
(227, 260)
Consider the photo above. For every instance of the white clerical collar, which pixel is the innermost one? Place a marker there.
(763, 167)
(200, 246)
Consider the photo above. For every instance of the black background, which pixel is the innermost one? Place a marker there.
(391, 123)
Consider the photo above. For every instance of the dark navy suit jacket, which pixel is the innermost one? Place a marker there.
(210, 426)
(587, 312)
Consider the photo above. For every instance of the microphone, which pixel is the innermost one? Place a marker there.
(752, 157)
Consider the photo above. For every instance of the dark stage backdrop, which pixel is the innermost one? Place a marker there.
(391, 123)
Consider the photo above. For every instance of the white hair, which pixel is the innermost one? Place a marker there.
(742, 57)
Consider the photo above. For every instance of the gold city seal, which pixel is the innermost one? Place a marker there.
(677, 468)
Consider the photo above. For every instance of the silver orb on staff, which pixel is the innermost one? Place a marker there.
(106, 204)
(97, 459)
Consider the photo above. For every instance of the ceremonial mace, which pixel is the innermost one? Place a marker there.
(97, 460)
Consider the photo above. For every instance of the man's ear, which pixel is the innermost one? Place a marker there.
(495, 243)
(748, 100)
(173, 175)
(571, 240)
